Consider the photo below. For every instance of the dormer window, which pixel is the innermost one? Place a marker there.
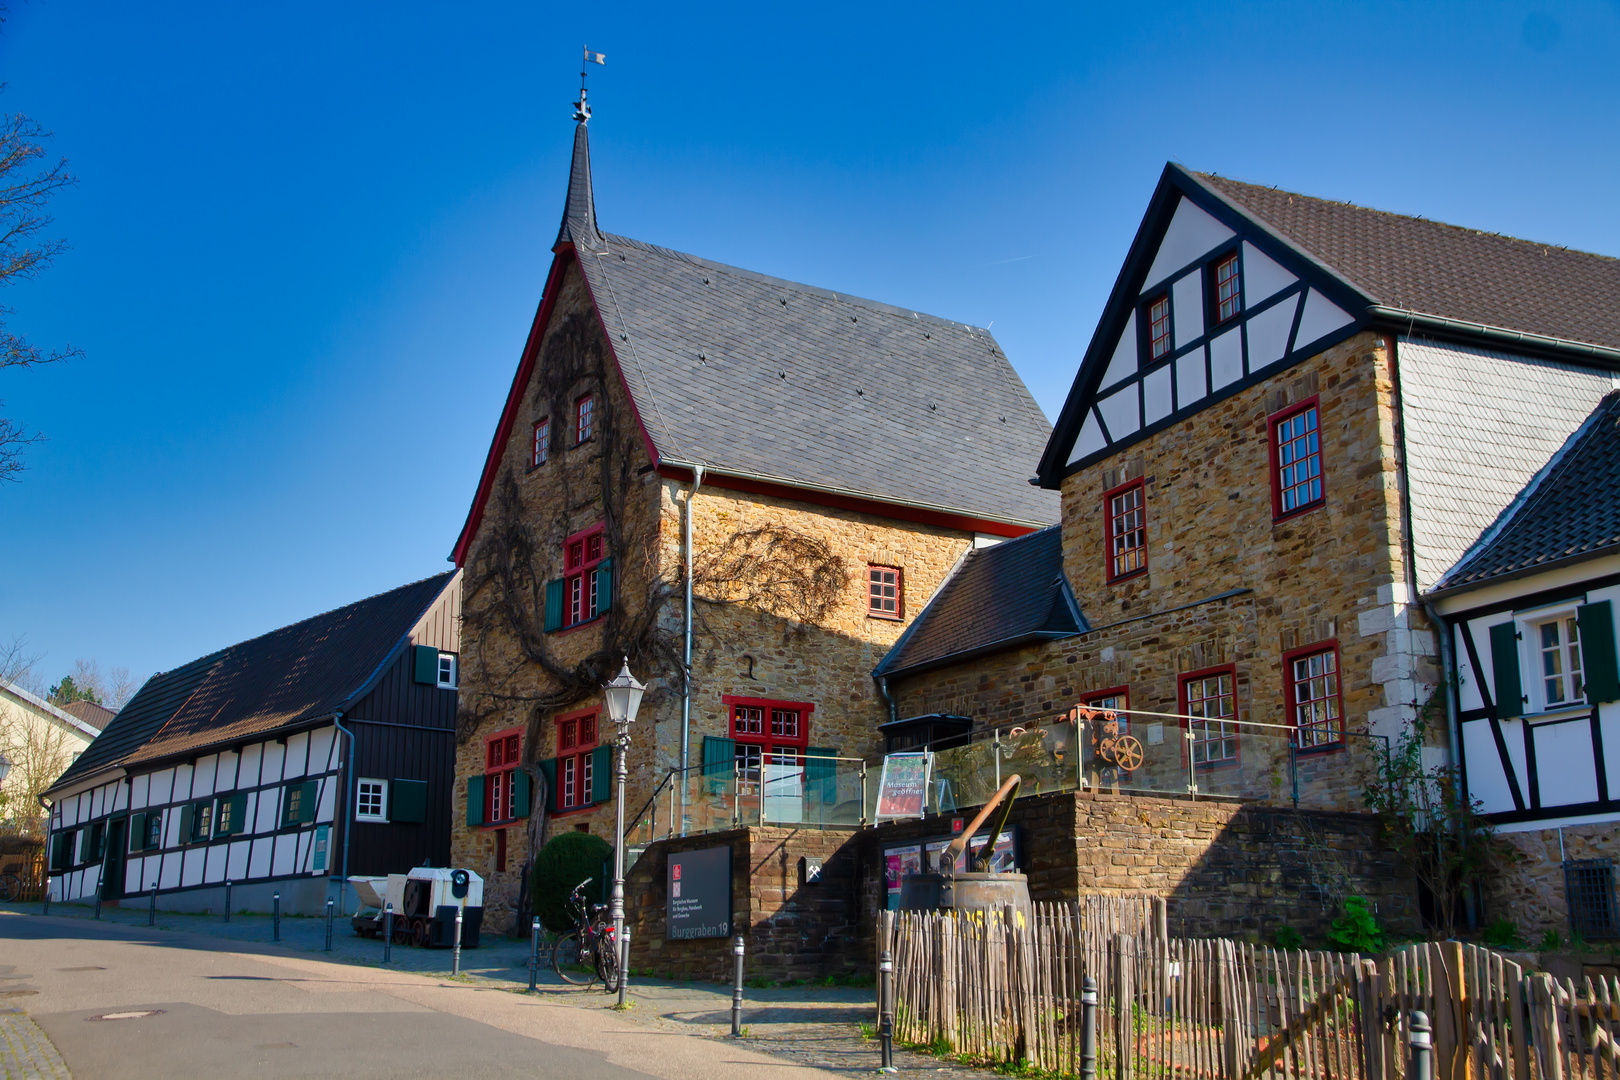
(1227, 283)
(1158, 324)
(584, 418)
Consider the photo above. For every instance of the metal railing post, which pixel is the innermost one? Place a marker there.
(227, 899)
(737, 947)
(886, 1011)
(388, 932)
(328, 926)
(1088, 1029)
(534, 955)
(1192, 765)
(98, 900)
(863, 793)
(455, 955)
(275, 913)
(1421, 1041)
(1293, 768)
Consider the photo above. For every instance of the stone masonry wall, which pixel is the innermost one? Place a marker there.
(1526, 884)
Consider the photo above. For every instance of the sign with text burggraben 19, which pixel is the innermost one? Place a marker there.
(699, 894)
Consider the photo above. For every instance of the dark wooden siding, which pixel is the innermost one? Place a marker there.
(399, 699)
(403, 753)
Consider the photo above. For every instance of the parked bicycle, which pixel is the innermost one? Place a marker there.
(589, 951)
(11, 887)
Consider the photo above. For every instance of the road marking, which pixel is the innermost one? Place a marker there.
(133, 1015)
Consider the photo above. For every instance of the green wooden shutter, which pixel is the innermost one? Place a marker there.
(475, 801)
(407, 801)
(604, 586)
(187, 813)
(719, 761)
(59, 850)
(238, 813)
(521, 783)
(1598, 664)
(548, 770)
(601, 774)
(310, 802)
(137, 832)
(425, 665)
(1505, 670)
(821, 774)
(554, 605)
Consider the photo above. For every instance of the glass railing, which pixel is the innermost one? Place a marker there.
(812, 792)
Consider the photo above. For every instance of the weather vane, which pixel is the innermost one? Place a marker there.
(582, 111)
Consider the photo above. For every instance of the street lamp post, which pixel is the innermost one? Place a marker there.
(623, 696)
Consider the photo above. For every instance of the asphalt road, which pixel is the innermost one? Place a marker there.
(216, 1008)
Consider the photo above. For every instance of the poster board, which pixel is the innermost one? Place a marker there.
(903, 787)
(923, 857)
(699, 894)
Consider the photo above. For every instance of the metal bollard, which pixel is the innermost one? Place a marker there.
(151, 911)
(886, 1010)
(388, 932)
(328, 927)
(624, 965)
(98, 901)
(227, 899)
(1088, 1029)
(534, 955)
(455, 956)
(736, 988)
(275, 915)
(45, 908)
(1421, 1041)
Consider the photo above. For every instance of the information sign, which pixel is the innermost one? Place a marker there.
(699, 894)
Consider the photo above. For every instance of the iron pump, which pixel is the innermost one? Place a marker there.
(978, 888)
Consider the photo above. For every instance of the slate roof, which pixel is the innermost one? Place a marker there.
(280, 680)
(1000, 597)
(97, 716)
(1447, 271)
(1569, 511)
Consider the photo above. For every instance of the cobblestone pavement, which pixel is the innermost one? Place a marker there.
(808, 1025)
(25, 1052)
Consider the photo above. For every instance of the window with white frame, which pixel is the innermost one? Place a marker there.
(1559, 672)
(447, 671)
(371, 800)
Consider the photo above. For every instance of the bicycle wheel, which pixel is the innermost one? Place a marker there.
(10, 887)
(607, 963)
(571, 964)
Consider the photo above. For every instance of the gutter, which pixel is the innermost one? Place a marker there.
(853, 493)
(1412, 320)
(347, 814)
(1448, 672)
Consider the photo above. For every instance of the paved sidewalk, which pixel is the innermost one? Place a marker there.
(25, 1052)
(820, 1026)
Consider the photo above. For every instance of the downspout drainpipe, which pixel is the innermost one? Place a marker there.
(883, 688)
(348, 808)
(686, 656)
(1448, 672)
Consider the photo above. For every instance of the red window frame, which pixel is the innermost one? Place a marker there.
(1309, 735)
(582, 553)
(584, 418)
(578, 735)
(1092, 699)
(1183, 682)
(1311, 440)
(1225, 293)
(1138, 552)
(1158, 326)
(759, 736)
(503, 753)
(541, 442)
(876, 598)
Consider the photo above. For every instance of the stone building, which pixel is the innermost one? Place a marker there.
(1294, 417)
(700, 461)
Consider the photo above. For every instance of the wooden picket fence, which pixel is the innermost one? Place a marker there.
(996, 986)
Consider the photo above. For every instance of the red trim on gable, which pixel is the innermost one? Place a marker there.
(876, 507)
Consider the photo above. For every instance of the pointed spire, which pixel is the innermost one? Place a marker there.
(579, 212)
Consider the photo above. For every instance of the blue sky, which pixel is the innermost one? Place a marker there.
(308, 239)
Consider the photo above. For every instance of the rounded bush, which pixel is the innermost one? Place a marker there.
(564, 862)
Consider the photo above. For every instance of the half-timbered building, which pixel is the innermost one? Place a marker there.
(278, 765)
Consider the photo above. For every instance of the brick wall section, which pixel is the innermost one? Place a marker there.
(1526, 885)
(1228, 869)
(1335, 573)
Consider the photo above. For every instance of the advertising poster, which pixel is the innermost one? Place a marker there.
(903, 788)
(699, 894)
(897, 863)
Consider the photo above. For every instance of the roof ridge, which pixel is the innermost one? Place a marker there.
(331, 611)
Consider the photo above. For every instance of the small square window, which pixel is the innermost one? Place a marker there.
(447, 671)
(371, 800)
(1227, 281)
(746, 720)
(542, 440)
(1158, 327)
(883, 592)
(584, 418)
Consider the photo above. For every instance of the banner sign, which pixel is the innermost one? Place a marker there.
(699, 894)
(903, 787)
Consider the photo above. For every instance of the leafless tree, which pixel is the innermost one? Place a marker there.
(26, 185)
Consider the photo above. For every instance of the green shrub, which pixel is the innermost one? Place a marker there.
(1503, 934)
(1551, 941)
(1357, 930)
(1287, 937)
(564, 862)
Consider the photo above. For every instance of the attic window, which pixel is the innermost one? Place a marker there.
(1227, 282)
(542, 437)
(584, 418)
(1158, 323)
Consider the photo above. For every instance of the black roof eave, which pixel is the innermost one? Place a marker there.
(1523, 572)
(1016, 641)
